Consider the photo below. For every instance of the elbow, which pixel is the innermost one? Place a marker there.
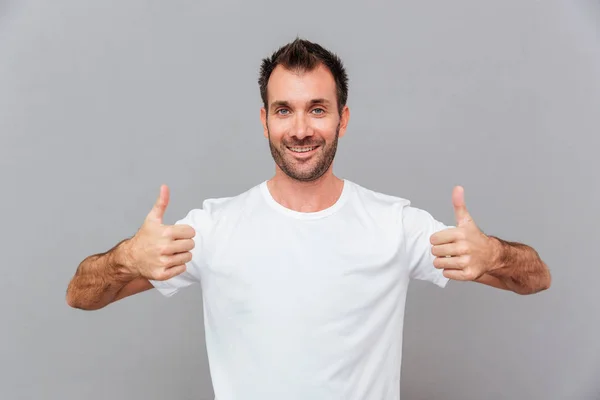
(82, 306)
(543, 282)
(75, 301)
(71, 297)
(546, 282)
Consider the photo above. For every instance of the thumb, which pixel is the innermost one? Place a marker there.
(460, 208)
(158, 211)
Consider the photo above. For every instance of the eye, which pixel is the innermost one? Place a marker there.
(318, 111)
(282, 111)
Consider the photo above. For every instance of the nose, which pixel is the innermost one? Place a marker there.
(301, 128)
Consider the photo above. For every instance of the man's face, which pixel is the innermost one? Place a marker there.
(303, 123)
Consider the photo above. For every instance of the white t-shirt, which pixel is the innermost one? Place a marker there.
(306, 305)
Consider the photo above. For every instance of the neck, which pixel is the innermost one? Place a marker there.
(307, 197)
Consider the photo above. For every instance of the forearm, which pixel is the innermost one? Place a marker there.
(519, 267)
(99, 278)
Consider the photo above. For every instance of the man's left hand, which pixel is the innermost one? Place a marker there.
(464, 253)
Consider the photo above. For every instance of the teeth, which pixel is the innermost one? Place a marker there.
(302, 149)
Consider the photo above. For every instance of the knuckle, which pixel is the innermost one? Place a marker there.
(470, 275)
(167, 232)
(162, 275)
(163, 261)
(156, 275)
(163, 249)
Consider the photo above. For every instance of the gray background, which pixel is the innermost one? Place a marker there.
(102, 101)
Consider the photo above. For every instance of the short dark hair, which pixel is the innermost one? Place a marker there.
(302, 55)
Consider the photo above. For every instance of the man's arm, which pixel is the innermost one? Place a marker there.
(104, 278)
(516, 267)
(156, 252)
(465, 253)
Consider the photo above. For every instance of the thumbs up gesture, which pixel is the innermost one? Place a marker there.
(464, 252)
(159, 251)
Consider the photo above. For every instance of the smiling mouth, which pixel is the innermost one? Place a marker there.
(302, 149)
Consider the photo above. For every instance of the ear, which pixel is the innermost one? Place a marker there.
(345, 118)
(263, 119)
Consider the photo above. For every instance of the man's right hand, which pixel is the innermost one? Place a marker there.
(157, 251)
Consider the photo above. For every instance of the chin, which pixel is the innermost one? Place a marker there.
(304, 175)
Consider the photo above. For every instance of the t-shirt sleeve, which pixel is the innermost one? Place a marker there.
(198, 220)
(418, 226)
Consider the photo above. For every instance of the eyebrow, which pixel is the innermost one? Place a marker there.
(283, 103)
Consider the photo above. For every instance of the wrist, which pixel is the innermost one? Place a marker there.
(498, 254)
(122, 261)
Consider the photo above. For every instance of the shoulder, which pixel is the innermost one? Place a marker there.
(401, 207)
(215, 208)
(373, 196)
(375, 200)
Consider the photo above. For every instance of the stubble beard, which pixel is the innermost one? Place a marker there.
(321, 161)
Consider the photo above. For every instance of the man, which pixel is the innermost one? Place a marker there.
(304, 276)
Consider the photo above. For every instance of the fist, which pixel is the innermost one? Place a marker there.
(464, 253)
(160, 252)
